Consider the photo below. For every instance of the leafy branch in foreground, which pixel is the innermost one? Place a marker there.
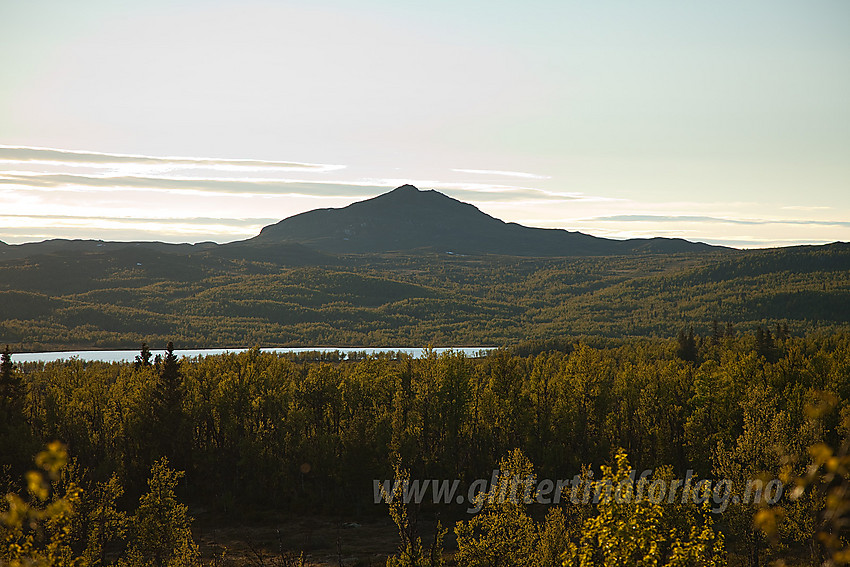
(36, 529)
(55, 519)
(631, 529)
(826, 482)
(410, 552)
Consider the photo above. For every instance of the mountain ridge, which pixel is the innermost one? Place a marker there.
(405, 219)
(408, 218)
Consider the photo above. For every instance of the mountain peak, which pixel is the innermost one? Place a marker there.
(406, 192)
(406, 188)
(408, 218)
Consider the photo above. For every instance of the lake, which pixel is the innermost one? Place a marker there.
(130, 355)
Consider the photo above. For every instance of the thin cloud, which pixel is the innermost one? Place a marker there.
(27, 228)
(507, 196)
(693, 218)
(26, 154)
(10, 219)
(248, 186)
(483, 191)
(804, 208)
(170, 232)
(745, 243)
(520, 174)
(205, 185)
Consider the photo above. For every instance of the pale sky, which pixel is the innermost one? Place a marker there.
(183, 121)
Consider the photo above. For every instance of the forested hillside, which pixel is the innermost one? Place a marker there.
(291, 296)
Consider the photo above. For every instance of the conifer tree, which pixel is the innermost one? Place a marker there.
(168, 396)
(11, 387)
(143, 358)
(716, 333)
(15, 435)
(764, 344)
(687, 349)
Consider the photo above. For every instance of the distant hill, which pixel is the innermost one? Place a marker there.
(119, 298)
(15, 251)
(407, 219)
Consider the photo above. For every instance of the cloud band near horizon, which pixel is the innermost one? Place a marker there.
(27, 154)
(57, 193)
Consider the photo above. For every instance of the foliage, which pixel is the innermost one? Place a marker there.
(36, 529)
(632, 529)
(309, 435)
(58, 524)
(830, 473)
(101, 522)
(161, 527)
(411, 553)
(503, 533)
(826, 482)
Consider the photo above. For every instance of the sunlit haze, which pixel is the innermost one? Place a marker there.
(721, 122)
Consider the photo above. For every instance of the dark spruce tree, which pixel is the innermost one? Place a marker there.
(764, 344)
(169, 422)
(716, 332)
(11, 387)
(15, 436)
(143, 358)
(687, 347)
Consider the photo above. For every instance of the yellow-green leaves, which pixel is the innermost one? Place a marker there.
(37, 531)
(630, 529)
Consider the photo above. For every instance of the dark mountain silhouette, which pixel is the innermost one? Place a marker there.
(404, 219)
(407, 219)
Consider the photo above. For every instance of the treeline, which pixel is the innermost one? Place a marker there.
(256, 430)
(119, 300)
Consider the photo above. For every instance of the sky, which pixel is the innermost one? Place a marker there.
(185, 121)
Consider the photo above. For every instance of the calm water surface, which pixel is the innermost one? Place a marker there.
(130, 355)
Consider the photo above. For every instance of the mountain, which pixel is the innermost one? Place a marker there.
(406, 219)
